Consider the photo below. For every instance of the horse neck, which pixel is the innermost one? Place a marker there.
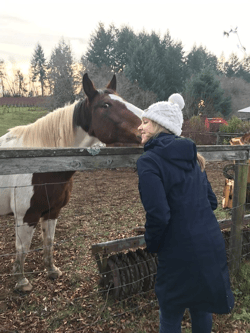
(81, 124)
(83, 139)
(53, 130)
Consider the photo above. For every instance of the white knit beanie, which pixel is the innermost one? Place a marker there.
(167, 114)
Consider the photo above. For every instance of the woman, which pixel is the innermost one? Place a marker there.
(180, 224)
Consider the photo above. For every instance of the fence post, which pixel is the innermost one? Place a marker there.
(239, 200)
(218, 138)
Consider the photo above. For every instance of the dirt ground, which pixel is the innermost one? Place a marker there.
(104, 206)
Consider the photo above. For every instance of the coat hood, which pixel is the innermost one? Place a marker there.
(178, 151)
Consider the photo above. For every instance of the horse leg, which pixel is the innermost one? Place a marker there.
(24, 234)
(48, 233)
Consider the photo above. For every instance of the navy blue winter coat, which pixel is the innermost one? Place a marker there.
(181, 227)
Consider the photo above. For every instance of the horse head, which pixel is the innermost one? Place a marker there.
(107, 116)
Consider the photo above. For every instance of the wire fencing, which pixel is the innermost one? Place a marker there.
(105, 206)
(93, 218)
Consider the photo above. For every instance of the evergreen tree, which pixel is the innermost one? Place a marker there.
(156, 64)
(143, 65)
(61, 75)
(153, 63)
(124, 38)
(38, 66)
(203, 94)
(101, 46)
(198, 59)
(232, 66)
(244, 69)
(173, 67)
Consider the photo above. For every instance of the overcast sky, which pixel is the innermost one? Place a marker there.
(24, 23)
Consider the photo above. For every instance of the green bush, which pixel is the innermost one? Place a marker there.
(235, 125)
(196, 124)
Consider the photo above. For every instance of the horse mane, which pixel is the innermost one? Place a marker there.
(53, 130)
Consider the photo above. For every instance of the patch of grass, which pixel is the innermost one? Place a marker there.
(241, 288)
(243, 316)
(15, 116)
(222, 214)
(64, 315)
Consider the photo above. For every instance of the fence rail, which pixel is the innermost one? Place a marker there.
(21, 161)
(211, 138)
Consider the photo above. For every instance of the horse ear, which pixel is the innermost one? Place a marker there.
(88, 86)
(112, 83)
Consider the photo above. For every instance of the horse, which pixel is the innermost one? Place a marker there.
(102, 117)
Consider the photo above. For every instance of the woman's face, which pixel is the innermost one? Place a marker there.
(147, 130)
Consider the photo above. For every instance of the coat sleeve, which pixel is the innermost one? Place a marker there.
(155, 203)
(211, 196)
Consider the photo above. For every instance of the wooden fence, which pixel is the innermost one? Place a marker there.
(210, 138)
(20, 161)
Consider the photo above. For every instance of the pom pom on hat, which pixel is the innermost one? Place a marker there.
(168, 114)
(177, 99)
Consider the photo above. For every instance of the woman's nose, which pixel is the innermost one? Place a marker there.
(140, 127)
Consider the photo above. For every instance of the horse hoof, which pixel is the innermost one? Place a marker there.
(24, 285)
(55, 273)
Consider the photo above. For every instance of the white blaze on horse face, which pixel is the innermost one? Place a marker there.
(138, 112)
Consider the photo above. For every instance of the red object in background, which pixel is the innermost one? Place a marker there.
(219, 121)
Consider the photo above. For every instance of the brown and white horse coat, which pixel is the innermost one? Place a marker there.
(102, 117)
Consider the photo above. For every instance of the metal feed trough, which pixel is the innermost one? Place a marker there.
(126, 268)
(129, 269)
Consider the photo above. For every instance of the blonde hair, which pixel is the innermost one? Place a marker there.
(202, 162)
(160, 129)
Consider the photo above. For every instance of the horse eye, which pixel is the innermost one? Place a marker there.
(106, 105)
